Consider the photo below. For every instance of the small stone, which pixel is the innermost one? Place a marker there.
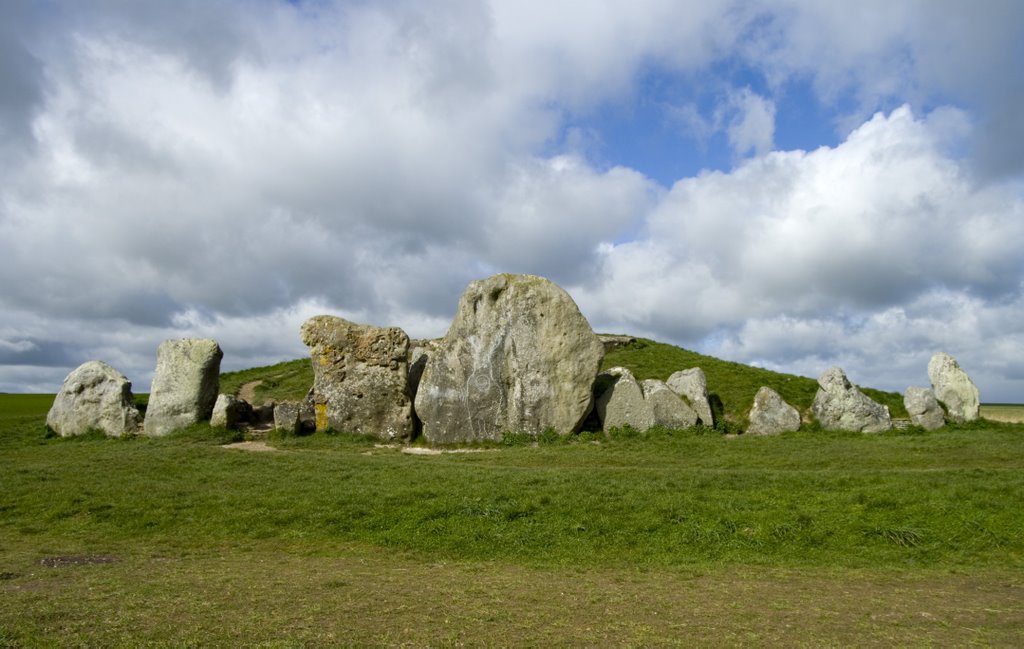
(771, 415)
(620, 401)
(923, 408)
(229, 412)
(288, 417)
(692, 385)
(668, 409)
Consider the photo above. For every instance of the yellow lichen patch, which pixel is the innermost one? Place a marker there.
(321, 416)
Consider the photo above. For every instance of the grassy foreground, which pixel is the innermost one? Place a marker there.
(807, 539)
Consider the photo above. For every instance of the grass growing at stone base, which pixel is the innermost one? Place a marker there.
(733, 384)
(636, 539)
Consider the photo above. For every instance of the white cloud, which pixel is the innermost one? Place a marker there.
(791, 252)
(227, 169)
(752, 127)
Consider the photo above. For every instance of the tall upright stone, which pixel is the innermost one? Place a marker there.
(360, 377)
(839, 405)
(954, 388)
(519, 357)
(693, 386)
(94, 396)
(185, 385)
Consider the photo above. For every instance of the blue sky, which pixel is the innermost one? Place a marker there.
(793, 184)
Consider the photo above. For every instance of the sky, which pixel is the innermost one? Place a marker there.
(792, 184)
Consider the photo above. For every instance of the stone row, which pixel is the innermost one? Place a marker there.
(519, 357)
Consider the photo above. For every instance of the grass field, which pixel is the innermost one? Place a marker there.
(670, 538)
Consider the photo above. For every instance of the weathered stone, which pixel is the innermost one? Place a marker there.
(519, 357)
(667, 407)
(954, 388)
(620, 401)
(230, 412)
(923, 408)
(612, 342)
(839, 405)
(360, 377)
(419, 353)
(94, 396)
(185, 385)
(288, 417)
(771, 415)
(693, 386)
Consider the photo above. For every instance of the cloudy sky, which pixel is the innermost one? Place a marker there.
(794, 184)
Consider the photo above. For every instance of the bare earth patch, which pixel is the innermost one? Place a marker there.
(247, 392)
(420, 450)
(256, 447)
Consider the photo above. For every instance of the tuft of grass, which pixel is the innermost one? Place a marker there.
(731, 386)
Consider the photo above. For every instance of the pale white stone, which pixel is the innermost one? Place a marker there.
(839, 405)
(953, 388)
(771, 415)
(185, 385)
(519, 357)
(94, 396)
(692, 385)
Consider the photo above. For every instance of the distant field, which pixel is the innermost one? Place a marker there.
(669, 538)
(1012, 413)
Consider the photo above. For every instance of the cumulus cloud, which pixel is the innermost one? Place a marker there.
(228, 169)
(813, 258)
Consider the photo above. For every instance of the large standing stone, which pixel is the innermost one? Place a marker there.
(771, 415)
(94, 396)
(519, 357)
(954, 388)
(693, 386)
(667, 407)
(923, 408)
(620, 401)
(839, 405)
(185, 384)
(360, 377)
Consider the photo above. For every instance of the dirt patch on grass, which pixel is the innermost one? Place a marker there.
(247, 392)
(77, 560)
(253, 446)
(420, 450)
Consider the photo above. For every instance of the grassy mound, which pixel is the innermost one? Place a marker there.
(732, 386)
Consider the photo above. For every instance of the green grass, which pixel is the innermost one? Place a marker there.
(810, 538)
(289, 380)
(732, 384)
